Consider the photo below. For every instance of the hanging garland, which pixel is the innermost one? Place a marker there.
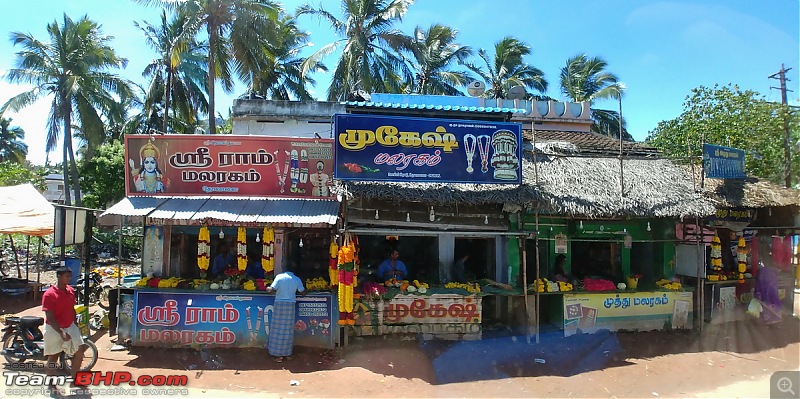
(333, 270)
(741, 253)
(203, 250)
(716, 254)
(268, 250)
(347, 271)
(241, 249)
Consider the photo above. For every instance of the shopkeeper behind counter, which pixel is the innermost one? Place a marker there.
(392, 267)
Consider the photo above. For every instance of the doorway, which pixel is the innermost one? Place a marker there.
(481, 261)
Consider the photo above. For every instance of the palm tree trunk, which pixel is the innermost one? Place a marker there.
(212, 72)
(167, 91)
(70, 155)
(65, 161)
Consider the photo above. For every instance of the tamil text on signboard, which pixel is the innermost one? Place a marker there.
(382, 148)
(723, 162)
(228, 165)
(626, 311)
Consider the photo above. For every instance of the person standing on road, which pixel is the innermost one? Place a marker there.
(280, 341)
(61, 334)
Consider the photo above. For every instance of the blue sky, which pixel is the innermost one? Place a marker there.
(659, 49)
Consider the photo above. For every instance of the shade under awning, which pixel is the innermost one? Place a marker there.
(199, 210)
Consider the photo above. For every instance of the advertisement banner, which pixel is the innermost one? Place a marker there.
(444, 316)
(723, 162)
(237, 319)
(228, 165)
(401, 149)
(613, 311)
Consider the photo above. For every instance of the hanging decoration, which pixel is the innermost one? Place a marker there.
(716, 254)
(268, 250)
(741, 253)
(333, 270)
(203, 250)
(347, 279)
(241, 249)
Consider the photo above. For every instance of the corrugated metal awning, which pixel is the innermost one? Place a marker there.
(243, 210)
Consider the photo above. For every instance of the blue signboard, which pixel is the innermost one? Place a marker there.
(723, 162)
(397, 149)
(233, 319)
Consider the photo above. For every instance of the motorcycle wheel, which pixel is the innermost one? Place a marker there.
(103, 298)
(89, 357)
(8, 344)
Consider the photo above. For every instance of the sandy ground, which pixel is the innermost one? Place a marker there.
(727, 360)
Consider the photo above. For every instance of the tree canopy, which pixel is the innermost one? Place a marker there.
(731, 117)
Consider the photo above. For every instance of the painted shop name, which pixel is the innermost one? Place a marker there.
(624, 303)
(390, 136)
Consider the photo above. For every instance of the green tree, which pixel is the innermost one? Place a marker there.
(508, 69)
(14, 173)
(435, 53)
(101, 175)
(729, 116)
(371, 50)
(586, 79)
(178, 75)
(12, 148)
(236, 33)
(73, 70)
(283, 74)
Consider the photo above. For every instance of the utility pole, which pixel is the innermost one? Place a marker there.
(781, 76)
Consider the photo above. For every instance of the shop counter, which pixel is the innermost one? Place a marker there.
(221, 318)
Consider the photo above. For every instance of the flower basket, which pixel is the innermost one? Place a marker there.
(632, 282)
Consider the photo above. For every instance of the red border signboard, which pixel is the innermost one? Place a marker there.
(228, 165)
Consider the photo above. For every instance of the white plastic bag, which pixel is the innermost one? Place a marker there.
(754, 308)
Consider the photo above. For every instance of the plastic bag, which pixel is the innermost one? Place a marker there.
(754, 308)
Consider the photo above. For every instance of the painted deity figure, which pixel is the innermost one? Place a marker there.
(148, 178)
(320, 181)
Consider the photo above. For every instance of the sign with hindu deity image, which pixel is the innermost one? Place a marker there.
(228, 165)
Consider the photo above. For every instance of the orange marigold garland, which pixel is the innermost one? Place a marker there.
(741, 253)
(346, 266)
(716, 254)
(203, 250)
(333, 270)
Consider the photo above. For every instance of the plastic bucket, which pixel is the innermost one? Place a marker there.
(73, 264)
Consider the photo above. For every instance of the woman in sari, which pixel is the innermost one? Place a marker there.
(767, 294)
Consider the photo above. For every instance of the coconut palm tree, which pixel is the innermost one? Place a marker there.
(178, 76)
(235, 30)
(435, 53)
(508, 69)
(371, 50)
(12, 148)
(282, 74)
(586, 79)
(73, 71)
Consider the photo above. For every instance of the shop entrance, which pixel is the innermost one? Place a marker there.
(481, 262)
(596, 259)
(420, 254)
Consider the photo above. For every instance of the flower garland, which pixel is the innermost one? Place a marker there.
(203, 250)
(268, 250)
(741, 254)
(716, 254)
(333, 270)
(241, 249)
(347, 271)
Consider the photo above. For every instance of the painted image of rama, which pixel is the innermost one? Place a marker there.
(148, 177)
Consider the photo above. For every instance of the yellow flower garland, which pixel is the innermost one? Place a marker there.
(203, 249)
(241, 249)
(268, 250)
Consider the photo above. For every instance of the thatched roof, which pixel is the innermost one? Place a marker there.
(747, 193)
(578, 175)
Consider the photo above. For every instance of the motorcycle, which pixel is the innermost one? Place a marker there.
(23, 340)
(98, 291)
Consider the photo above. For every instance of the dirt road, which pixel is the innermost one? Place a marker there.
(734, 359)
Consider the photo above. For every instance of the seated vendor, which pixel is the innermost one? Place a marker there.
(558, 271)
(392, 267)
(254, 269)
(223, 261)
(459, 274)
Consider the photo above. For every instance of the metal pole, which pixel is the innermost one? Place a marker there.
(28, 259)
(781, 76)
(536, 294)
(119, 254)
(38, 270)
(700, 280)
(621, 177)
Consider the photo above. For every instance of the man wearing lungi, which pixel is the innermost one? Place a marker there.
(281, 328)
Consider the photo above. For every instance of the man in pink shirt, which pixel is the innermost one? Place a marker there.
(61, 334)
